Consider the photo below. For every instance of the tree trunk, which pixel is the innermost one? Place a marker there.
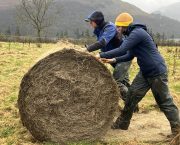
(39, 35)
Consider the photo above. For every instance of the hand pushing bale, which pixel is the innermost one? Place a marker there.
(68, 96)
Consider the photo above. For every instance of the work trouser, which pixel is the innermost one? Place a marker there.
(159, 87)
(121, 75)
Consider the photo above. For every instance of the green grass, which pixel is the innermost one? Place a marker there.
(15, 62)
(7, 131)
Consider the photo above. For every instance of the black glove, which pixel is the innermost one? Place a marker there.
(96, 46)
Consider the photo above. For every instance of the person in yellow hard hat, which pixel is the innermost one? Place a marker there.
(152, 75)
(124, 20)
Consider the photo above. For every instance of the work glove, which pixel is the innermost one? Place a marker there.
(94, 46)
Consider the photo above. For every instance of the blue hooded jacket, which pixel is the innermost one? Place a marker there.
(107, 34)
(140, 44)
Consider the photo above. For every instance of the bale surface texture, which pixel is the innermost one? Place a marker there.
(68, 96)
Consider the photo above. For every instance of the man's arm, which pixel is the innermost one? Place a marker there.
(128, 43)
(127, 57)
(95, 46)
(107, 36)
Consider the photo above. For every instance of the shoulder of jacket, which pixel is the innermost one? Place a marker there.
(138, 31)
(109, 25)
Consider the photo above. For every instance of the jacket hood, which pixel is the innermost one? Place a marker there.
(135, 26)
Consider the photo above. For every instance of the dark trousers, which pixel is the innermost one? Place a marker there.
(121, 75)
(159, 87)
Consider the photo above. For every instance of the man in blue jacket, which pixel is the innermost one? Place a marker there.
(108, 39)
(152, 74)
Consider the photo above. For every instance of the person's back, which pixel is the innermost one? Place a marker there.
(148, 57)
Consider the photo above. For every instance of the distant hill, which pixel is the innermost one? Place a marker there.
(71, 13)
(171, 11)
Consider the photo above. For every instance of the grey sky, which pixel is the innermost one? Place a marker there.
(151, 5)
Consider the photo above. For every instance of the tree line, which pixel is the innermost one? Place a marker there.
(163, 40)
(160, 39)
(37, 14)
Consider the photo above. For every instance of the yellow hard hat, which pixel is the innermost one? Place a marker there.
(124, 19)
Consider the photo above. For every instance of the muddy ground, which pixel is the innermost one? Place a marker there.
(148, 128)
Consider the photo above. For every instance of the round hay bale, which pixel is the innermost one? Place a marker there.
(68, 96)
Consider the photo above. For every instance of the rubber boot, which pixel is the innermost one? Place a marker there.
(123, 91)
(175, 128)
(120, 124)
(123, 121)
(136, 110)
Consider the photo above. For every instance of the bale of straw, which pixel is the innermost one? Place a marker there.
(68, 96)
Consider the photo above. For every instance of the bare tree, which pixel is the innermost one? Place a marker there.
(36, 13)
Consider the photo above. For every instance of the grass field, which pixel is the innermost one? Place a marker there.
(16, 59)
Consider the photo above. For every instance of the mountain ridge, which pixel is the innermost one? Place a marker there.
(70, 15)
(172, 11)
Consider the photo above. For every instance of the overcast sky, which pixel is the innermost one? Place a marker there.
(151, 5)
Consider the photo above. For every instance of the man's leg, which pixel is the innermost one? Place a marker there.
(160, 90)
(121, 76)
(136, 92)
